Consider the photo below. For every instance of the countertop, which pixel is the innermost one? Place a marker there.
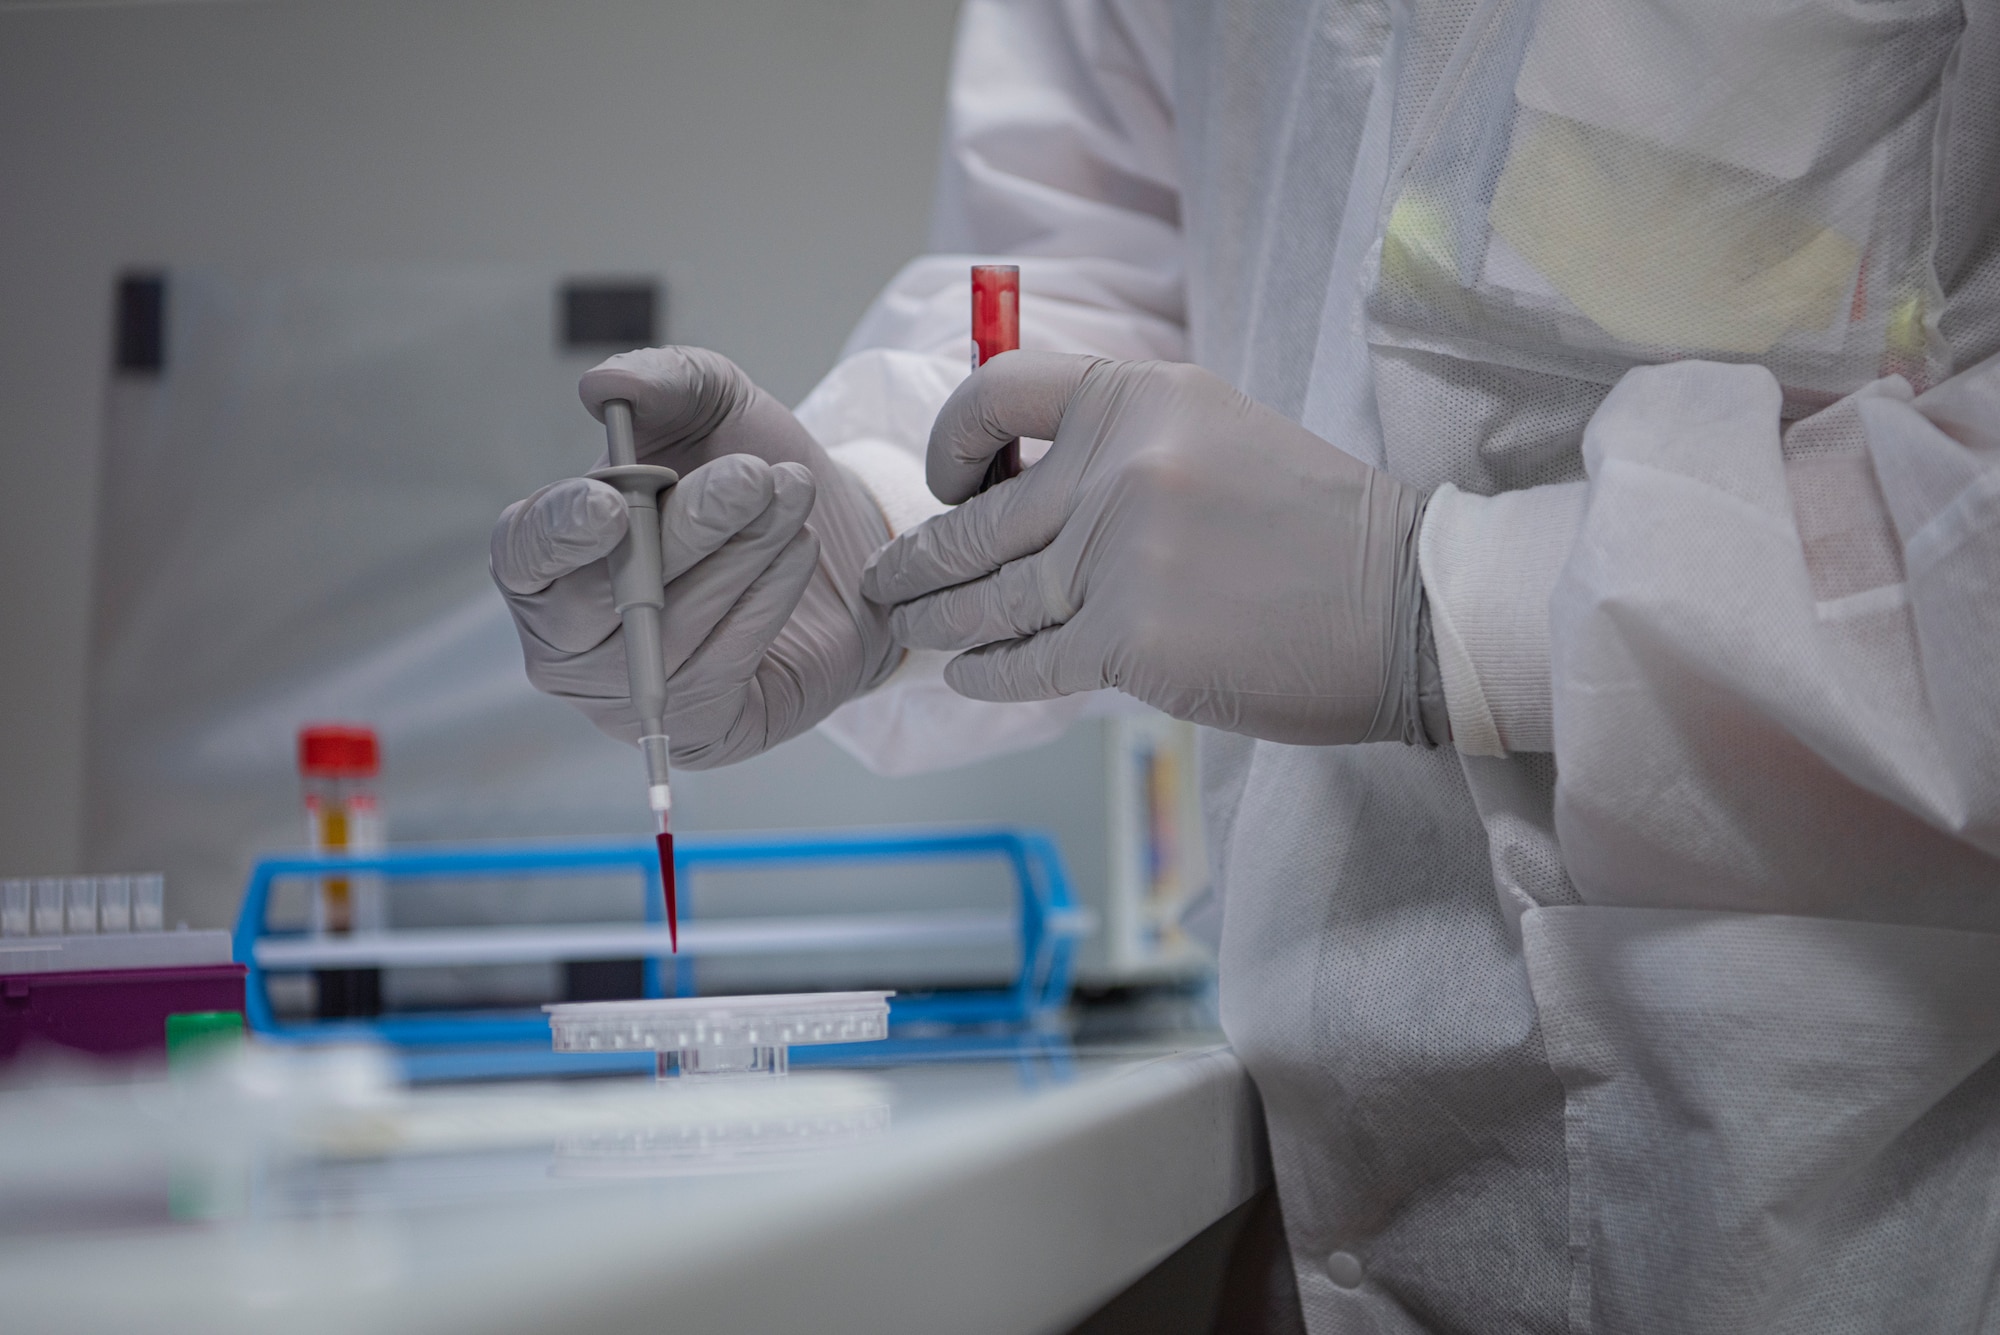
(1000, 1195)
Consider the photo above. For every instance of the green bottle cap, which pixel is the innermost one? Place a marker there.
(193, 1035)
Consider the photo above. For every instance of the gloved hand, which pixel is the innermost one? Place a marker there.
(1178, 541)
(765, 632)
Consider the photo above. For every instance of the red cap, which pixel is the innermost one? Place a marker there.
(339, 751)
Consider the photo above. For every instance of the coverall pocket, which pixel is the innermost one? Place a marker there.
(1594, 185)
(1773, 1123)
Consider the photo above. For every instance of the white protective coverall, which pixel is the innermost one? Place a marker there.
(1668, 998)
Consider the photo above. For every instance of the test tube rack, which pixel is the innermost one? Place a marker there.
(1045, 923)
(86, 964)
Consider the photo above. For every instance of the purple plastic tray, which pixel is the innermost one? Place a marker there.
(112, 1011)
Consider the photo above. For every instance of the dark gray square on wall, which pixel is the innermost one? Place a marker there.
(610, 314)
(140, 324)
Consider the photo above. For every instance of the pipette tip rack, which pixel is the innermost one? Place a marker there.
(705, 1036)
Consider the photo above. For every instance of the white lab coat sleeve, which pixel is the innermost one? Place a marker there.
(1773, 654)
(1489, 567)
(1059, 156)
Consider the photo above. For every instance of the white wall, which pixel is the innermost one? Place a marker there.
(771, 157)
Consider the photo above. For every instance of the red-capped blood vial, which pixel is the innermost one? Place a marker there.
(996, 328)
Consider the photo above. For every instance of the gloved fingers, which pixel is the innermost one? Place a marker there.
(701, 599)
(1017, 600)
(595, 672)
(1016, 394)
(721, 667)
(548, 551)
(966, 543)
(711, 505)
(547, 556)
(572, 616)
(595, 677)
(563, 527)
(1055, 662)
(678, 395)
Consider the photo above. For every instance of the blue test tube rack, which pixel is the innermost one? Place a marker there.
(1046, 919)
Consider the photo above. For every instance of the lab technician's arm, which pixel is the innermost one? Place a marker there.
(1762, 652)
(1059, 156)
(1774, 650)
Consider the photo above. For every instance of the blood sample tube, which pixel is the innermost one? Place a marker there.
(996, 328)
(338, 767)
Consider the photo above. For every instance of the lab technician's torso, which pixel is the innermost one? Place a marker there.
(1668, 997)
(1371, 980)
(1722, 1081)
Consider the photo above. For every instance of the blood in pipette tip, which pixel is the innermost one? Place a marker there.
(665, 839)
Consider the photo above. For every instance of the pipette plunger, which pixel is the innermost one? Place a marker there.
(638, 591)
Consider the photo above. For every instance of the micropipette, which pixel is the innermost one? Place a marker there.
(996, 328)
(637, 590)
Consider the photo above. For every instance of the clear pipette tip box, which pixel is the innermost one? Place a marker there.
(70, 906)
(709, 1036)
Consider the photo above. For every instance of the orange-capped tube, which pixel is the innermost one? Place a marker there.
(996, 328)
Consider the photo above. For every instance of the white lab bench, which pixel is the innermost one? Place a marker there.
(999, 1196)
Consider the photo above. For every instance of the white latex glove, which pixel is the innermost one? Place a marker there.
(1178, 541)
(765, 632)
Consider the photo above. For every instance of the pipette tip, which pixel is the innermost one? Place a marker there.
(654, 746)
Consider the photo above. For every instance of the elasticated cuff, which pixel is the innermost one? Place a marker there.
(1489, 566)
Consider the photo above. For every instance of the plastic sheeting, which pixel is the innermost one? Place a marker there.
(292, 526)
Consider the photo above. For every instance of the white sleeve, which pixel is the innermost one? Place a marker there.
(1489, 567)
(1059, 156)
